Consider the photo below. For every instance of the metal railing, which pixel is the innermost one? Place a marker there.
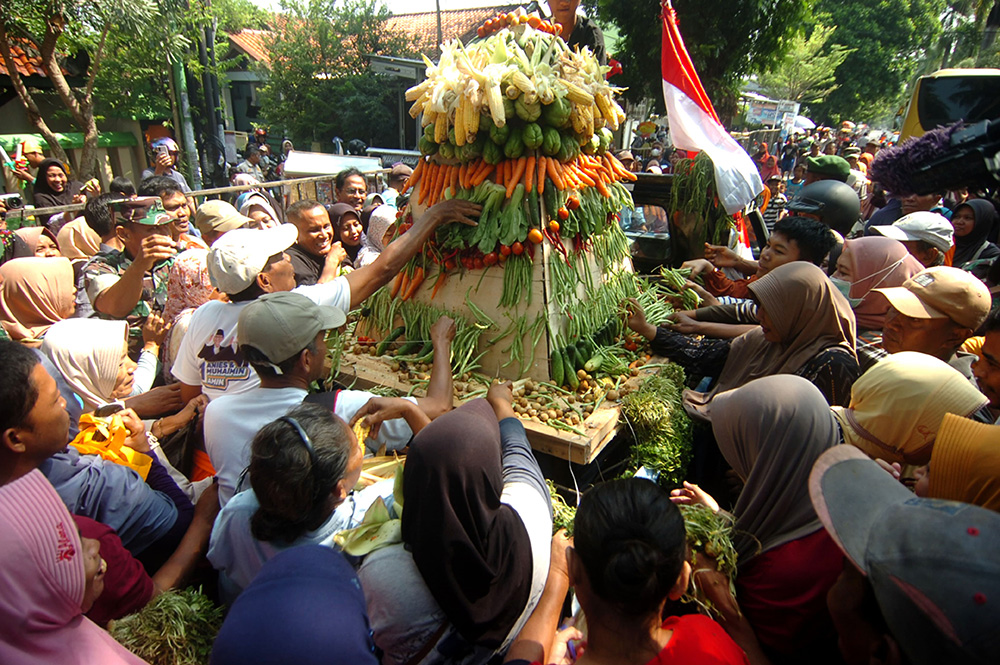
(22, 213)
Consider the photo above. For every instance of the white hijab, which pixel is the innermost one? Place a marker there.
(379, 222)
(87, 352)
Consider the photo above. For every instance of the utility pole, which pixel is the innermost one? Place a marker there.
(440, 35)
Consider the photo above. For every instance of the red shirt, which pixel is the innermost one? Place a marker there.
(127, 586)
(782, 592)
(696, 640)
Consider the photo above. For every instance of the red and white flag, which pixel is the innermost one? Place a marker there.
(695, 126)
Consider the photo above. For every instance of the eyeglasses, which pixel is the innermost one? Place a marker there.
(355, 191)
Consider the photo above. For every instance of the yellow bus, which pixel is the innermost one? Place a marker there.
(948, 95)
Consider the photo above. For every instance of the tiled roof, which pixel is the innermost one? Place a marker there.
(455, 24)
(253, 43)
(27, 60)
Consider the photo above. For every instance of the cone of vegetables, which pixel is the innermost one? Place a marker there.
(520, 123)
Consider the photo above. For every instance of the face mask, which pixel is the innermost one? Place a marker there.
(845, 287)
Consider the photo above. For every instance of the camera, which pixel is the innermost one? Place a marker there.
(12, 201)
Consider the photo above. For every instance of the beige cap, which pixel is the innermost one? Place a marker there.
(942, 292)
(219, 217)
(281, 325)
(237, 258)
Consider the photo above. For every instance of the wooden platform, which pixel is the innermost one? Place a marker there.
(363, 372)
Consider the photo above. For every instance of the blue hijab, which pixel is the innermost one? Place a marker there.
(305, 606)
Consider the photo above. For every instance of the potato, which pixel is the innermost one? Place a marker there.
(613, 395)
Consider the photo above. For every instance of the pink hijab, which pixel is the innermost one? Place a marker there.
(43, 582)
(188, 286)
(876, 263)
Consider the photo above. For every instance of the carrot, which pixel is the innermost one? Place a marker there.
(397, 284)
(529, 174)
(418, 278)
(429, 180)
(583, 176)
(442, 275)
(481, 174)
(541, 174)
(552, 166)
(415, 177)
(515, 177)
(453, 182)
(603, 189)
(404, 283)
(438, 184)
(497, 175)
(463, 173)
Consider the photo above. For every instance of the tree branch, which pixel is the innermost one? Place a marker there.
(30, 107)
(95, 63)
(54, 27)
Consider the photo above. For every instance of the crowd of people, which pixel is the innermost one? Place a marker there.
(158, 410)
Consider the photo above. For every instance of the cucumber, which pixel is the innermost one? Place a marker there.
(383, 346)
(593, 364)
(571, 377)
(409, 347)
(426, 353)
(581, 355)
(557, 370)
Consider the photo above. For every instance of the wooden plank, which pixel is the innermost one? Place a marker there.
(363, 372)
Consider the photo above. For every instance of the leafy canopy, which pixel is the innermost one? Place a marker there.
(807, 74)
(320, 82)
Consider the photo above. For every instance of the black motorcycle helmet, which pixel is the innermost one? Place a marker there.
(834, 203)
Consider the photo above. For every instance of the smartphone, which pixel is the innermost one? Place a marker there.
(163, 150)
(109, 409)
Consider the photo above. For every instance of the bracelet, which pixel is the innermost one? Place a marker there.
(158, 421)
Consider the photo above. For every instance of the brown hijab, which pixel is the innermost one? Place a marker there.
(772, 431)
(809, 314)
(36, 293)
(471, 550)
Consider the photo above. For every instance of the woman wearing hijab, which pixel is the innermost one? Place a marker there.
(476, 532)
(305, 607)
(771, 431)
(92, 355)
(379, 224)
(50, 577)
(896, 407)
(869, 263)
(973, 221)
(35, 294)
(77, 240)
(347, 230)
(965, 462)
(54, 188)
(258, 207)
(807, 328)
(39, 241)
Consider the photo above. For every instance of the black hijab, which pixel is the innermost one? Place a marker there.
(472, 551)
(65, 197)
(337, 212)
(967, 246)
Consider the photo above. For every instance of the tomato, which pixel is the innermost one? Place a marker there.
(573, 203)
(517, 248)
(449, 264)
(481, 31)
(504, 251)
(490, 259)
(534, 21)
(553, 226)
(478, 263)
(563, 213)
(535, 236)
(631, 345)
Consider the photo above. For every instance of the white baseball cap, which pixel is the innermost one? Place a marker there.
(930, 227)
(237, 258)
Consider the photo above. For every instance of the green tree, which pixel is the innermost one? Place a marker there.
(56, 27)
(889, 37)
(807, 73)
(727, 39)
(320, 83)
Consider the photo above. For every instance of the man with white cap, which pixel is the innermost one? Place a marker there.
(926, 235)
(247, 263)
(921, 579)
(934, 312)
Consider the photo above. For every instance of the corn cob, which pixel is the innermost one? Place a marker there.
(417, 91)
(460, 121)
(522, 82)
(471, 120)
(441, 128)
(495, 102)
(577, 94)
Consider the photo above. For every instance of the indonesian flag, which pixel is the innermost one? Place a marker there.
(695, 126)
